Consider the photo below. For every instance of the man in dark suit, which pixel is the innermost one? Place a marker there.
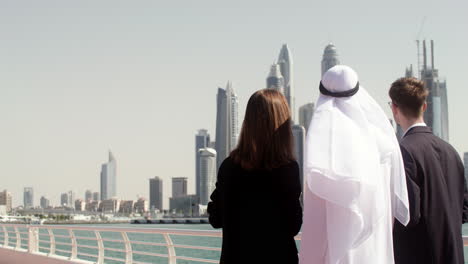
(435, 181)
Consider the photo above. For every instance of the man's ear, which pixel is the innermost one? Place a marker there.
(424, 107)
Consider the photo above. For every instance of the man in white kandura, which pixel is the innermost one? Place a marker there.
(355, 178)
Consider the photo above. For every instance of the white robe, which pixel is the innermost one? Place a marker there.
(323, 218)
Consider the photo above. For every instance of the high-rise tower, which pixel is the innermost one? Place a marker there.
(156, 193)
(202, 140)
(305, 115)
(28, 197)
(299, 134)
(227, 123)
(179, 186)
(436, 114)
(285, 63)
(330, 58)
(207, 174)
(275, 80)
(108, 178)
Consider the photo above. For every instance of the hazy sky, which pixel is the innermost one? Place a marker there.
(140, 77)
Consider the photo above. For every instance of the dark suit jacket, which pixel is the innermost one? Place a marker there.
(438, 201)
(259, 212)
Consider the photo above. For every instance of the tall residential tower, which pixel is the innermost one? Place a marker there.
(156, 193)
(227, 122)
(202, 140)
(108, 178)
(285, 63)
(207, 174)
(275, 79)
(330, 58)
(305, 115)
(28, 197)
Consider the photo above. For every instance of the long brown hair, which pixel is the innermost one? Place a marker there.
(266, 139)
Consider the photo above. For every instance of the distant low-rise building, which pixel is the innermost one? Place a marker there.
(45, 203)
(110, 206)
(80, 205)
(141, 206)
(5, 199)
(93, 206)
(127, 207)
(186, 205)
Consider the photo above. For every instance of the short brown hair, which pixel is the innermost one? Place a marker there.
(266, 140)
(409, 94)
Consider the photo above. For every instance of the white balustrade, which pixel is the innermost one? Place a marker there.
(128, 252)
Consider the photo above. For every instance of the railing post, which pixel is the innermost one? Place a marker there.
(5, 237)
(100, 259)
(18, 238)
(52, 241)
(170, 249)
(74, 247)
(33, 239)
(128, 248)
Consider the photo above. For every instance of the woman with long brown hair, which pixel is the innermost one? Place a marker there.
(256, 200)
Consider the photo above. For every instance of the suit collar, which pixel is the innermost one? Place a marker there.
(418, 129)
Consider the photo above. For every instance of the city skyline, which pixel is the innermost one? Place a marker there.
(140, 79)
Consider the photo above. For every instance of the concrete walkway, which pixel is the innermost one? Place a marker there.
(9, 256)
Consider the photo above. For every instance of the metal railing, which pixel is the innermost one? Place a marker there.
(91, 244)
(112, 244)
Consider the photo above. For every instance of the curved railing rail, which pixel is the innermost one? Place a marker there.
(91, 244)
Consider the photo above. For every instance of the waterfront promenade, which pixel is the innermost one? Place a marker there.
(57, 244)
(9, 256)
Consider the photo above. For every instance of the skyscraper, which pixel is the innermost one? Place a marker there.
(156, 193)
(202, 140)
(179, 186)
(71, 198)
(28, 197)
(96, 196)
(45, 203)
(64, 200)
(6, 200)
(444, 110)
(285, 63)
(108, 178)
(299, 148)
(88, 195)
(330, 58)
(227, 123)
(436, 114)
(275, 80)
(305, 115)
(207, 174)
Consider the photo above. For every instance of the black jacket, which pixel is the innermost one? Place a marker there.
(438, 201)
(259, 212)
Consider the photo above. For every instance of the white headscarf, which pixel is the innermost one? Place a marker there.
(348, 140)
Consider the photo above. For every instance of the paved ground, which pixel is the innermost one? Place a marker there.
(8, 256)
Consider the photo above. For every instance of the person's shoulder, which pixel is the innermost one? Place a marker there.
(290, 166)
(227, 164)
